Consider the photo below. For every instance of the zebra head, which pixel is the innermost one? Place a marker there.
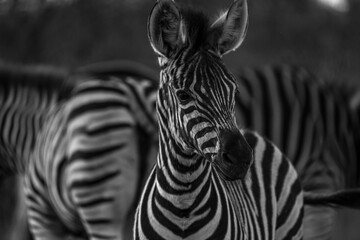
(197, 93)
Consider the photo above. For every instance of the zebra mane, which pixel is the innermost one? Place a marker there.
(197, 26)
(45, 77)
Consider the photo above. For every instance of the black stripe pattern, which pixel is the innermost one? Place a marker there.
(211, 180)
(312, 122)
(267, 204)
(75, 138)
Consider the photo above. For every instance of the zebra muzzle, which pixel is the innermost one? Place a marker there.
(235, 156)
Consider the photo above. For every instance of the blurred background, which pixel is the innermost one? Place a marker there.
(322, 35)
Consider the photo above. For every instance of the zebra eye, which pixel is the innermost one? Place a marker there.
(183, 96)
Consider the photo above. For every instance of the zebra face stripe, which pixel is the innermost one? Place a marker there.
(197, 99)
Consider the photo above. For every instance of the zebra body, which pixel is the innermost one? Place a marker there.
(24, 108)
(211, 180)
(318, 127)
(257, 207)
(18, 127)
(312, 123)
(82, 164)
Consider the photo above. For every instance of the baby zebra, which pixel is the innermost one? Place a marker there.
(211, 181)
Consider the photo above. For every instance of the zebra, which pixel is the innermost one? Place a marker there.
(78, 139)
(252, 106)
(14, 145)
(312, 122)
(211, 180)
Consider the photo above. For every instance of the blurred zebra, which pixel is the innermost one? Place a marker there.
(16, 142)
(79, 141)
(211, 181)
(312, 123)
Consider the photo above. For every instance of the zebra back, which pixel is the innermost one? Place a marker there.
(86, 172)
(140, 74)
(344, 198)
(147, 137)
(308, 119)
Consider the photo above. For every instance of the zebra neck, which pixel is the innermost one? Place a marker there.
(185, 166)
(183, 175)
(198, 210)
(184, 197)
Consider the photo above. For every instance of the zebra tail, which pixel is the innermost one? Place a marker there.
(349, 198)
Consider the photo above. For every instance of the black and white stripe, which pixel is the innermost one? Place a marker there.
(306, 118)
(267, 204)
(312, 122)
(79, 141)
(211, 181)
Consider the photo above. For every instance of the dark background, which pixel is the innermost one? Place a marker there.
(73, 33)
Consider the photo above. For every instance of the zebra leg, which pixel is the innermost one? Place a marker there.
(318, 222)
(22, 230)
(102, 179)
(43, 222)
(319, 177)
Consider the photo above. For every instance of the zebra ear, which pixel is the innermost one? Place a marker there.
(229, 30)
(165, 28)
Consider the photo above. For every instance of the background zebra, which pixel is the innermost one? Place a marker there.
(76, 141)
(17, 136)
(312, 123)
(201, 186)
